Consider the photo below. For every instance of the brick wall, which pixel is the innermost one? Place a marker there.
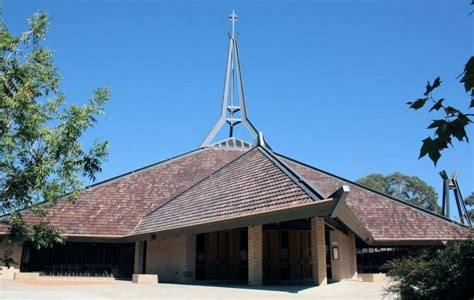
(16, 251)
(318, 251)
(255, 255)
(138, 260)
(353, 255)
(345, 267)
(172, 258)
(189, 258)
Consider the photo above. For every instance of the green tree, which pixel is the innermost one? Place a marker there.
(407, 188)
(41, 157)
(469, 200)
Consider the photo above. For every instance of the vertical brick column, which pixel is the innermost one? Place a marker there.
(353, 255)
(138, 261)
(255, 255)
(318, 251)
(189, 258)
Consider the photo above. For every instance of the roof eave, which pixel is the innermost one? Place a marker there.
(313, 209)
(423, 210)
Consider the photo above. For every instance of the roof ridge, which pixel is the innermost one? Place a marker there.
(307, 187)
(410, 205)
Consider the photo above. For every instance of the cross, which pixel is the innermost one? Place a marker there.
(233, 18)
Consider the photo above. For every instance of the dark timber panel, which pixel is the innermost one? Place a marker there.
(286, 255)
(271, 256)
(299, 254)
(221, 255)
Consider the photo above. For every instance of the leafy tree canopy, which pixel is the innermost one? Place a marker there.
(469, 200)
(41, 157)
(407, 188)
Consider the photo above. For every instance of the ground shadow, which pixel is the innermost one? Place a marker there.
(288, 287)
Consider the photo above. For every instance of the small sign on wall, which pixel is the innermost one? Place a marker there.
(335, 253)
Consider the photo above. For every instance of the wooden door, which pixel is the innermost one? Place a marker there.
(211, 254)
(271, 254)
(222, 254)
(299, 254)
(234, 258)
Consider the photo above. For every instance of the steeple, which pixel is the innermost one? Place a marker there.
(233, 110)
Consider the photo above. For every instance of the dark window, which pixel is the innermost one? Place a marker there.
(80, 259)
(373, 259)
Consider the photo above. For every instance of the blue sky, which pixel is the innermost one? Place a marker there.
(325, 81)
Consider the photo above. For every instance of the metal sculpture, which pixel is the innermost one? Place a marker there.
(452, 184)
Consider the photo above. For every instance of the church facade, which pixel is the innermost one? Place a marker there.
(231, 211)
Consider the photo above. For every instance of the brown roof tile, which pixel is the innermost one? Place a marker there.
(384, 217)
(250, 184)
(116, 206)
(214, 184)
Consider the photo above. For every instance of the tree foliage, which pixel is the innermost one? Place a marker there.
(7, 259)
(435, 273)
(41, 156)
(407, 188)
(454, 121)
(469, 200)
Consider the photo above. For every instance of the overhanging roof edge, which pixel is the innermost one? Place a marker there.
(324, 207)
(423, 210)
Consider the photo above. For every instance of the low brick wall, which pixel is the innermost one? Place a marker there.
(145, 278)
(8, 273)
(26, 275)
(373, 277)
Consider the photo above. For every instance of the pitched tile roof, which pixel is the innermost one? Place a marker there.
(384, 217)
(251, 184)
(116, 206)
(216, 184)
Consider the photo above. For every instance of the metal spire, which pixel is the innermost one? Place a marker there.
(233, 18)
(229, 108)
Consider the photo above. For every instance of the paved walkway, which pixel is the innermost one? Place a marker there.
(49, 289)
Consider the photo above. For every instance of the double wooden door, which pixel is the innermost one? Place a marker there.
(223, 255)
(286, 255)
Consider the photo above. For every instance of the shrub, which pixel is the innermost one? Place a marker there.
(435, 273)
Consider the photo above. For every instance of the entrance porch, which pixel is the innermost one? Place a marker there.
(287, 252)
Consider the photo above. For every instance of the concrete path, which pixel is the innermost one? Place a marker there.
(49, 289)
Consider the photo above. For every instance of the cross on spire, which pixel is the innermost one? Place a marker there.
(233, 18)
(232, 113)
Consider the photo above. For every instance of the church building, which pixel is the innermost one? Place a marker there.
(232, 210)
